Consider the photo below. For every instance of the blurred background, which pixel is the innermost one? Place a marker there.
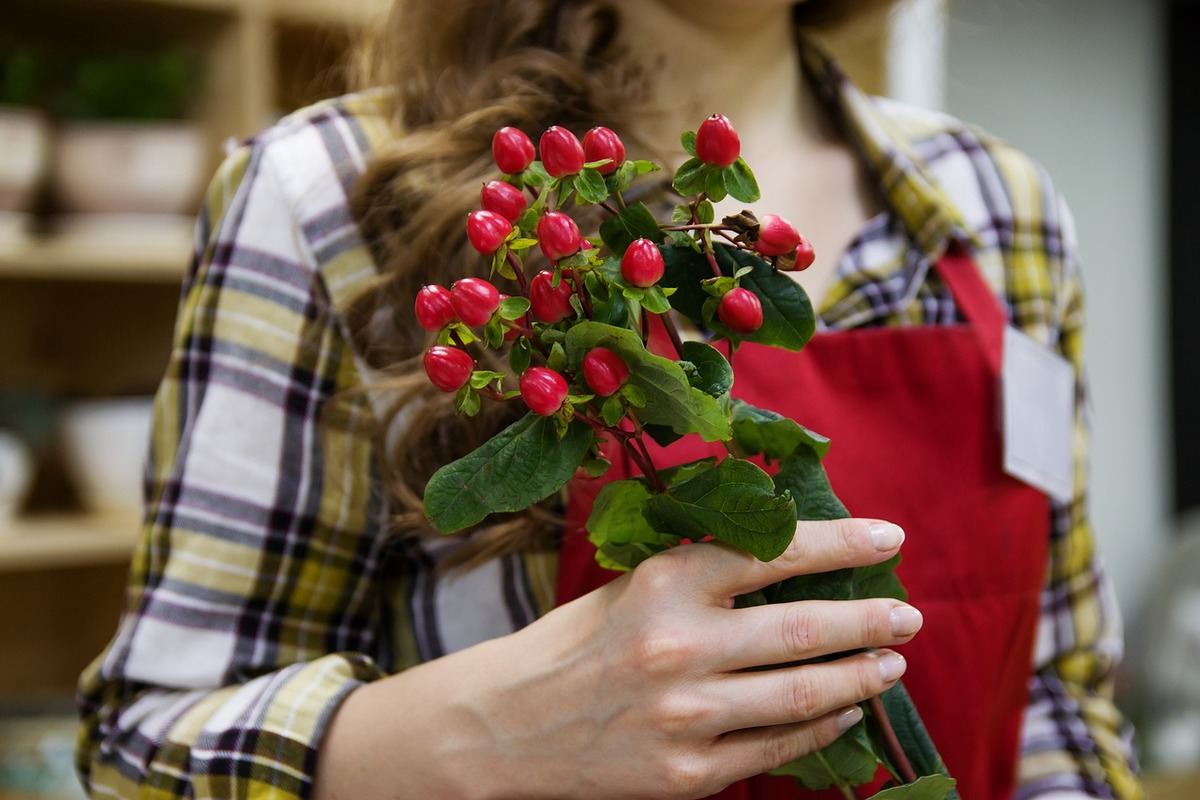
(113, 113)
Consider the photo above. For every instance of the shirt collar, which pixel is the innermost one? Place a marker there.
(929, 216)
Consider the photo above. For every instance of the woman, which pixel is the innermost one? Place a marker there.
(282, 639)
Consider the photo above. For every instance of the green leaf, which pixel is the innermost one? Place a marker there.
(927, 787)
(655, 301)
(599, 162)
(595, 467)
(620, 530)
(662, 435)
(878, 580)
(644, 166)
(622, 178)
(681, 213)
(591, 187)
(849, 761)
(740, 181)
(482, 377)
(493, 332)
(528, 220)
(714, 184)
(705, 212)
(735, 502)
(612, 410)
(535, 175)
(557, 360)
(524, 463)
(914, 740)
(633, 395)
(634, 222)
(688, 140)
(670, 399)
(801, 473)
(714, 376)
(680, 473)
(518, 355)
(788, 319)
(513, 308)
(691, 177)
(760, 430)
(519, 244)
(467, 401)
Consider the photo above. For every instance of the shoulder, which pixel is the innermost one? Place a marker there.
(1000, 192)
(285, 192)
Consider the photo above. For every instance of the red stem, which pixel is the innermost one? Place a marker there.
(518, 268)
(890, 742)
(584, 299)
(608, 207)
(672, 333)
(458, 339)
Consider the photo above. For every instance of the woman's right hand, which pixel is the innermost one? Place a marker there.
(646, 687)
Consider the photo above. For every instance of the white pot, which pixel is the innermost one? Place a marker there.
(129, 167)
(24, 151)
(105, 442)
(16, 475)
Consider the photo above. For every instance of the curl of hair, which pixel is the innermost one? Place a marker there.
(460, 70)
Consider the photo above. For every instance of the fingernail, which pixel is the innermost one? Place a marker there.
(891, 665)
(906, 621)
(886, 536)
(849, 718)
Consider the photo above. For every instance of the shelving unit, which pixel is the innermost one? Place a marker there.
(83, 317)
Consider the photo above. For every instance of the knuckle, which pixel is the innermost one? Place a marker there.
(675, 716)
(781, 748)
(657, 576)
(804, 696)
(801, 630)
(684, 774)
(661, 651)
(847, 537)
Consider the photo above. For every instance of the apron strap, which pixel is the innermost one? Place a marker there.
(975, 299)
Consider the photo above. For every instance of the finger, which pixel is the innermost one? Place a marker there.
(798, 694)
(816, 547)
(753, 752)
(785, 632)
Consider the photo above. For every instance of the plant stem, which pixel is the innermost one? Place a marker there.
(492, 394)
(458, 339)
(697, 226)
(894, 750)
(672, 333)
(608, 207)
(584, 299)
(518, 268)
(644, 462)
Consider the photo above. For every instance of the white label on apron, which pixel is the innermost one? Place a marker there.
(1038, 401)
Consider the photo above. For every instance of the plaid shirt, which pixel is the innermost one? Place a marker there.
(266, 585)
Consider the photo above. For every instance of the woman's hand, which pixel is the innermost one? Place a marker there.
(642, 688)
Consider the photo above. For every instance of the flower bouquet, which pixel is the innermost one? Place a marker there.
(576, 336)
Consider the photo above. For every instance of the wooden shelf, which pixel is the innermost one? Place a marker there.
(104, 261)
(67, 540)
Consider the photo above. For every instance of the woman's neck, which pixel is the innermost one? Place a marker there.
(706, 57)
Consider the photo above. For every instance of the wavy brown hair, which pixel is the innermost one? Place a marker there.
(461, 69)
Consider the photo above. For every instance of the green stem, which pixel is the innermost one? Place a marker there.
(842, 786)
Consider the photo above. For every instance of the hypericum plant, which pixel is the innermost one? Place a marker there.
(576, 338)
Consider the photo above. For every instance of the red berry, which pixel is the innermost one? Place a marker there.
(776, 236)
(504, 199)
(740, 311)
(804, 255)
(548, 303)
(434, 307)
(487, 230)
(562, 154)
(448, 368)
(543, 390)
(475, 300)
(604, 371)
(717, 142)
(558, 235)
(512, 149)
(600, 143)
(642, 265)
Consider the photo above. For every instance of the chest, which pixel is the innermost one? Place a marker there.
(826, 193)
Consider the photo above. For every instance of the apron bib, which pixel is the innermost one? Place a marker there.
(913, 417)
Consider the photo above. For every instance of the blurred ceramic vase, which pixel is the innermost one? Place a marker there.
(104, 444)
(24, 146)
(16, 475)
(129, 167)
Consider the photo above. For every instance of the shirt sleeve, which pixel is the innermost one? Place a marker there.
(1074, 742)
(251, 609)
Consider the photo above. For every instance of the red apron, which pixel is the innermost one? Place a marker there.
(913, 416)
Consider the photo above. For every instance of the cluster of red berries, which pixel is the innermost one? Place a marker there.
(504, 206)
